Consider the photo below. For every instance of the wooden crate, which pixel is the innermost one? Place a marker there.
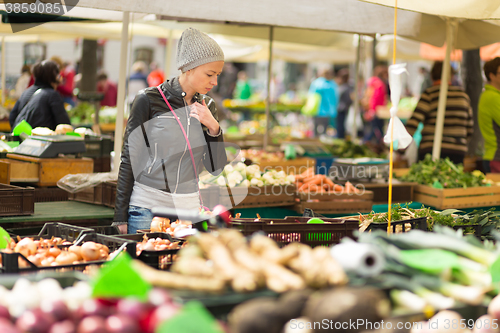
(253, 196)
(109, 193)
(210, 196)
(401, 192)
(334, 202)
(296, 166)
(41, 171)
(457, 197)
(93, 195)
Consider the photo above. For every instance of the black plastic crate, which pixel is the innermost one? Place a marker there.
(50, 194)
(65, 279)
(112, 242)
(156, 259)
(98, 145)
(110, 230)
(15, 200)
(419, 223)
(53, 229)
(10, 261)
(295, 229)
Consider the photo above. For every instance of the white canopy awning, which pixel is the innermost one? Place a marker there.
(471, 9)
(338, 15)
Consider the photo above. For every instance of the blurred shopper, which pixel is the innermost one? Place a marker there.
(137, 80)
(327, 111)
(489, 116)
(41, 105)
(458, 119)
(243, 89)
(66, 85)
(23, 82)
(156, 76)
(376, 96)
(227, 81)
(108, 88)
(345, 91)
(426, 79)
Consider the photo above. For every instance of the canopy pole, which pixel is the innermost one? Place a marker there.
(168, 54)
(356, 91)
(443, 92)
(4, 81)
(121, 92)
(269, 74)
(391, 148)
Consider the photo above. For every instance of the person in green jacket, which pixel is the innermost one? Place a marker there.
(489, 116)
(243, 89)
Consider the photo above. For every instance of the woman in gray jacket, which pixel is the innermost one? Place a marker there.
(172, 132)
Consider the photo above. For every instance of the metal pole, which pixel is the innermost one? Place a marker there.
(121, 92)
(269, 74)
(168, 53)
(443, 92)
(356, 90)
(4, 84)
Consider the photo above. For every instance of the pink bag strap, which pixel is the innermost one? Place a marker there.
(187, 140)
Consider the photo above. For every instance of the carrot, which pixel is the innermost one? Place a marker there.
(308, 173)
(313, 188)
(299, 178)
(315, 179)
(304, 186)
(329, 182)
(350, 188)
(337, 187)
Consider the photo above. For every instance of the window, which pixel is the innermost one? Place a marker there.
(144, 54)
(34, 52)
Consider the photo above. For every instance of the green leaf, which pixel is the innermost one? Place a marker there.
(4, 238)
(495, 271)
(451, 211)
(484, 221)
(432, 261)
(117, 279)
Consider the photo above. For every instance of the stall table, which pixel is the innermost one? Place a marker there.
(72, 212)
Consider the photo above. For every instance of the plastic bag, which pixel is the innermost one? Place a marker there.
(311, 107)
(400, 134)
(349, 122)
(73, 183)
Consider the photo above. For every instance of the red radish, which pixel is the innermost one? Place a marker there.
(92, 324)
(34, 321)
(66, 326)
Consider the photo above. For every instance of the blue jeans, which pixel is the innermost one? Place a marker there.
(138, 218)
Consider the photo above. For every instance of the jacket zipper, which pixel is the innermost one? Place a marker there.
(154, 159)
(185, 147)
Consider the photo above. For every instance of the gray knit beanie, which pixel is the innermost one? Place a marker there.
(196, 48)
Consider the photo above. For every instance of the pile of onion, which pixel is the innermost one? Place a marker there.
(45, 252)
(155, 244)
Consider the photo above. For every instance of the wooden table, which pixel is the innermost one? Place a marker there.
(72, 212)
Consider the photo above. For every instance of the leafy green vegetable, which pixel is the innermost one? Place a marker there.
(349, 149)
(442, 173)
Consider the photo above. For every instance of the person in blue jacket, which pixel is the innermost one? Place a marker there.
(326, 87)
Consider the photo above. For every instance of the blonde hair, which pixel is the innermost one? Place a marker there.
(139, 66)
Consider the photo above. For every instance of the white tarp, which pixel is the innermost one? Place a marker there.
(471, 9)
(338, 15)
